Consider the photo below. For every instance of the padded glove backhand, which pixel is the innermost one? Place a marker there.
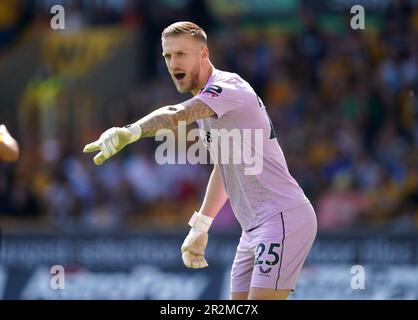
(111, 142)
(193, 249)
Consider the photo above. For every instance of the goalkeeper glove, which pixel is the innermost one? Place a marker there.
(193, 248)
(112, 141)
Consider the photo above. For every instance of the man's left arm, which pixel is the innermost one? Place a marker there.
(193, 248)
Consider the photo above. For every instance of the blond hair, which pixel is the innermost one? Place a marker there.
(185, 28)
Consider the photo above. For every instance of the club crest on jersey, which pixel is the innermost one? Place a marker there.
(212, 90)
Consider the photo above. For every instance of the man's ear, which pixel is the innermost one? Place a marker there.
(205, 53)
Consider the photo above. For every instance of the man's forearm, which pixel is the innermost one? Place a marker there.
(215, 196)
(115, 139)
(168, 117)
(162, 118)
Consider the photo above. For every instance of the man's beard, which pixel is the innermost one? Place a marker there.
(194, 81)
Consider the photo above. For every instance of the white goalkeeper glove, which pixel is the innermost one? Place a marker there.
(193, 248)
(112, 141)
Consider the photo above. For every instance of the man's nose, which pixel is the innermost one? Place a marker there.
(173, 64)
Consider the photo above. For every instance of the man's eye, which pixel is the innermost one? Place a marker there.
(181, 54)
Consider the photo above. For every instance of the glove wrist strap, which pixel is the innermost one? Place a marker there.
(200, 222)
(135, 131)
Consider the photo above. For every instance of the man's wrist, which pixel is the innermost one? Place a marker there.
(200, 221)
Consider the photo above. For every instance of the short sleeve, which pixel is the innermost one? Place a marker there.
(221, 97)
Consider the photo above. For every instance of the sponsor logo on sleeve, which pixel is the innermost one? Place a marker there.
(212, 90)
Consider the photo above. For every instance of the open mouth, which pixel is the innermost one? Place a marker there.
(180, 75)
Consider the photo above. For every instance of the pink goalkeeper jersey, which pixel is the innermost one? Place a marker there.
(271, 190)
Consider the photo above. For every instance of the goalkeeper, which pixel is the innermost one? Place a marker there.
(278, 222)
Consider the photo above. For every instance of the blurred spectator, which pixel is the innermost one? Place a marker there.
(10, 15)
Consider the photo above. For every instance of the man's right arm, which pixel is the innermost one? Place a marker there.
(169, 117)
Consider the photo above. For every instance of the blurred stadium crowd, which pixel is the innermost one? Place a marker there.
(343, 103)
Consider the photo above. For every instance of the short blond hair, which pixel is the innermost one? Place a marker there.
(185, 28)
